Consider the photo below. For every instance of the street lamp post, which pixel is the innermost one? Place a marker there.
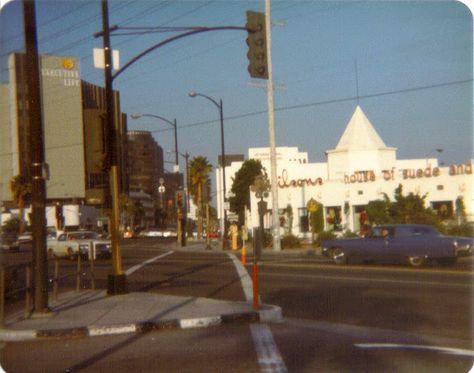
(175, 127)
(221, 116)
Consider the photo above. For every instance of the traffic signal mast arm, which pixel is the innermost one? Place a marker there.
(196, 30)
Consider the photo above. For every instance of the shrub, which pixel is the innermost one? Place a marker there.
(267, 239)
(465, 229)
(290, 241)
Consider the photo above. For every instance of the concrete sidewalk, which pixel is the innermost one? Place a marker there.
(93, 313)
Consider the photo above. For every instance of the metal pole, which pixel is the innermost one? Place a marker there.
(2, 296)
(181, 225)
(56, 278)
(271, 133)
(38, 190)
(221, 114)
(117, 281)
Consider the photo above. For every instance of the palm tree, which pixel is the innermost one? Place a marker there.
(21, 191)
(199, 169)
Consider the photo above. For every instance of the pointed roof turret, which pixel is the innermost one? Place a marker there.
(360, 134)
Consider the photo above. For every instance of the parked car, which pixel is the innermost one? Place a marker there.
(414, 244)
(213, 234)
(151, 232)
(25, 237)
(169, 231)
(88, 244)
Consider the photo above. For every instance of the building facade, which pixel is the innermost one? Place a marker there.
(75, 139)
(360, 169)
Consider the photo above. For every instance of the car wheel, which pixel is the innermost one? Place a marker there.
(416, 260)
(51, 253)
(339, 256)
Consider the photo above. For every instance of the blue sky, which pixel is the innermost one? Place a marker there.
(413, 62)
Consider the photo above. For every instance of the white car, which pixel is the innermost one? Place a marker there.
(85, 243)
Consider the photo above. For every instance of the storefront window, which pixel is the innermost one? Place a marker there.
(444, 209)
(333, 218)
(303, 220)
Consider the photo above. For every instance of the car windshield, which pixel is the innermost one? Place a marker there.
(82, 235)
(381, 232)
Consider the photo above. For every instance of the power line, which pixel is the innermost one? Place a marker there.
(327, 102)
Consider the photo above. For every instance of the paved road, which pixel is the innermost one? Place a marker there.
(349, 319)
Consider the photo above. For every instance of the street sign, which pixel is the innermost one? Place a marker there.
(99, 59)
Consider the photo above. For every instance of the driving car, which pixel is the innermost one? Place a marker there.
(414, 244)
(88, 244)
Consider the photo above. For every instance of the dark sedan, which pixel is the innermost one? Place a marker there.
(414, 244)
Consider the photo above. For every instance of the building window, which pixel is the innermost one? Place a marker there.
(444, 209)
(303, 220)
(333, 218)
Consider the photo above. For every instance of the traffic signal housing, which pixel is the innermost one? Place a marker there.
(257, 43)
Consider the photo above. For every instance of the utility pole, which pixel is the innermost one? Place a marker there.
(117, 281)
(271, 132)
(38, 167)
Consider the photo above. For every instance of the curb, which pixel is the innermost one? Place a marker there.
(268, 313)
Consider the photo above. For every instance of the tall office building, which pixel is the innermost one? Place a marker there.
(74, 137)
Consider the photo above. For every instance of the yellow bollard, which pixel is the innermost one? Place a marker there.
(244, 259)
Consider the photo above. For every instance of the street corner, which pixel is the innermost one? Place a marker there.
(270, 313)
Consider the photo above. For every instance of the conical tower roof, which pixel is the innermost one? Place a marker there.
(360, 134)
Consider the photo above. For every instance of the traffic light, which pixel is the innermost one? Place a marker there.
(257, 42)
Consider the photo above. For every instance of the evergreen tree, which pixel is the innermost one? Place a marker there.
(242, 181)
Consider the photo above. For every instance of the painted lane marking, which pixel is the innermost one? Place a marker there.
(269, 357)
(444, 350)
(367, 269)
(369, 279)
(135, 268)
(245, 279)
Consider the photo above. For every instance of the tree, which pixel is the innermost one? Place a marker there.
(378, 211)
(316, 217)
(242, 181)
(21, 192)
(11, 225)
(199, 169)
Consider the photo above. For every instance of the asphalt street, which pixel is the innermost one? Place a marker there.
(337, 319)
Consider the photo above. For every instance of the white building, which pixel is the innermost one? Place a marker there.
(360, 169)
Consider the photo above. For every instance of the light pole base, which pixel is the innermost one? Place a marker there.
(117, 284)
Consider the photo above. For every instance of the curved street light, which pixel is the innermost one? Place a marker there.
(221, 116)
(175, 127)
(173, 124)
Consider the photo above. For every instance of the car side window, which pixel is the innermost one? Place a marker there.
(62, 237)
